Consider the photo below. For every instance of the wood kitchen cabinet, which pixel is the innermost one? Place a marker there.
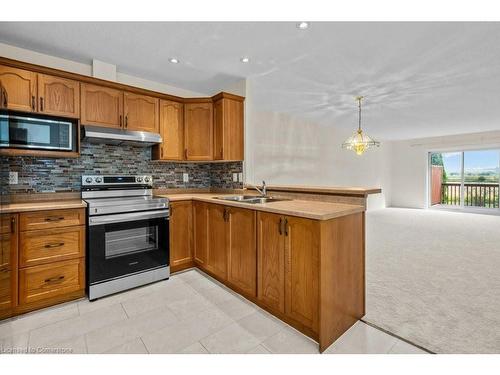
(101, 106)
(171, 131)
(288, 268)
(228, 127)
(198, 131)
(200, 231)
(242, 250)
(217, 242)
(271, 261)
(181, 234)
(58, 96)
(141, 112)
(8, 264)
(20, 86)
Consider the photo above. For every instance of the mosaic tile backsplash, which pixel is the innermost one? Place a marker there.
(38, 175)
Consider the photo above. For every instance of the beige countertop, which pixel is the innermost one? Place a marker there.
(322, 189)
(317, 210)
(41, 205)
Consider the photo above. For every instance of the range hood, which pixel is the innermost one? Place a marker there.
(97, 134)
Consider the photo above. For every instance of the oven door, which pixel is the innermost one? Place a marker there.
(125, 244)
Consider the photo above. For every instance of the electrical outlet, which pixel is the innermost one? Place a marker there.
(235, 177)
(185, 177)
(13, 178)
(240, 177)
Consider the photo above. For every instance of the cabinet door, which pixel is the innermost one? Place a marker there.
(200, 221)
(181, 233)
(217, 240)
(8, 264)
(242, 250)
(171, 130)
(228, 130)
(271, 261)
(141, 112)
(58, 96)
(302, 270)
(20, 86)
(101, 106)
(198, 131)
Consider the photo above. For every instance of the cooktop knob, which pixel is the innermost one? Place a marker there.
(88, 180)
(147, 179)
(138, 179)
(98, 180)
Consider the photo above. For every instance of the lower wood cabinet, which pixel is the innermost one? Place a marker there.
(217, 241)
(200, 232)
(288, 268)
(47, 284)
(41, 267)
(8, 264)
(181, 235)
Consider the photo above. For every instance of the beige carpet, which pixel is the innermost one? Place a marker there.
(433, 278)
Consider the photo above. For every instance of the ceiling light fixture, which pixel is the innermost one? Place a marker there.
(244, 60)
(359, 142)
(173, 60)
(303, 25)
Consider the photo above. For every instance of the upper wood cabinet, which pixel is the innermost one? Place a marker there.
(198, 131)
(242, 250)
(141, 112)
(58, 96)
(228, 129)
(181, 233)
(8, 264)
(101, 106)
(20, 86)
(171, 131)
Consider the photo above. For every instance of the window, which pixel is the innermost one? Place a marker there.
(465, 178)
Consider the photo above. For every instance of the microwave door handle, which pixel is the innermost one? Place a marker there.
(119, 218)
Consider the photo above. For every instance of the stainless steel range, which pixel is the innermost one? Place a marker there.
(128, 233)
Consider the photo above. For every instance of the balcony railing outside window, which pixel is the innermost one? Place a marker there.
(475, 194)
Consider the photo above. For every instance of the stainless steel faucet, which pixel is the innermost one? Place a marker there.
(263, 189)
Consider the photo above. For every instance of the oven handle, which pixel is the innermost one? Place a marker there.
(120, 218)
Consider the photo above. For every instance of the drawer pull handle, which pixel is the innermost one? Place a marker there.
(57, 279)
(54, 218)
(51, 245)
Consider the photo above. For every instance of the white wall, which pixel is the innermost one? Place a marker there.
(32, 57)
(286, 149)
(409, 178)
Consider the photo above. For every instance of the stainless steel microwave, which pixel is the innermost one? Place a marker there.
(18, 131)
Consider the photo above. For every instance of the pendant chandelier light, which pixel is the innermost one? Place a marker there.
(359, 142)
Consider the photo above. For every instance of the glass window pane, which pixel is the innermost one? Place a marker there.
(446, 178)
(481, 177)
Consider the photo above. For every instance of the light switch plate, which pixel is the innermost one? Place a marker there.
(235, 177)
(240, 177)
(185, 177)
(13, 178)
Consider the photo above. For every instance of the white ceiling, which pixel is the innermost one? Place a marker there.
(419, 79)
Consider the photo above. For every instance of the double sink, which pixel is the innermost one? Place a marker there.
(252, 199)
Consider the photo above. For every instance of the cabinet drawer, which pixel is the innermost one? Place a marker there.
(51, 219)
(51, 281)
(50, 245)
(5, 293)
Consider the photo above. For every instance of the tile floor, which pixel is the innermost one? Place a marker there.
(190, 313)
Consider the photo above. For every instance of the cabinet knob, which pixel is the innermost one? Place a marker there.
(126, 121)
(13, 224)
(121, 121)
(280, 230)
(33, 103)
(286, 227)
(185, 153)
(41, 104)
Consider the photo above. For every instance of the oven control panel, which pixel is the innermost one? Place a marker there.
(104, 180)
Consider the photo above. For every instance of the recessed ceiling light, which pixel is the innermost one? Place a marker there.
(244, 60)
(173, 60)
(303, 25)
